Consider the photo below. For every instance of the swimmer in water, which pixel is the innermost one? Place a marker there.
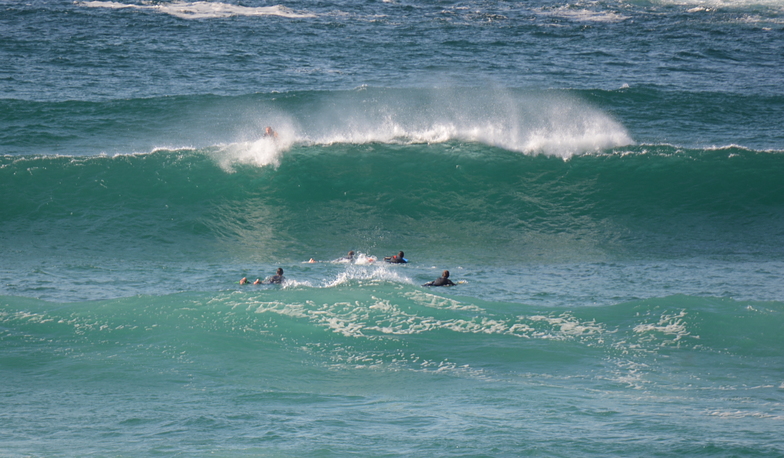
(441, 281)
(397, 259)
(268, 132)
(277, 278)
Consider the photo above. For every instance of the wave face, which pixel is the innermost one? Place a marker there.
(631, 200)
(629, 222)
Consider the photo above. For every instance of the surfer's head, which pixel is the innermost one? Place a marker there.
(279, 271)
(445, 274)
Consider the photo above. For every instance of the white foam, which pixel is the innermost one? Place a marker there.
(709, 5)
(258, 150)
(584, 15)
(552, 123)
(203, 10)
(567, 326)
(378, 273)
(261, 152)
(669, 325)
(360, 259)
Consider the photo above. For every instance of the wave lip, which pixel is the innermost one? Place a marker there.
(530, 123)
(540, 122)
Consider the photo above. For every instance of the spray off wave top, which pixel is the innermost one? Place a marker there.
(558, 125)
(552, 123)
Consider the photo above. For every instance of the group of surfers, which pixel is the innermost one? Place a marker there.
(399, 258)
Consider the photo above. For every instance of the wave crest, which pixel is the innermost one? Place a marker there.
(204, 10)
(546, 123)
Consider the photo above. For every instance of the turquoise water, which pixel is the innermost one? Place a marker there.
(372, 367)
(603, 179)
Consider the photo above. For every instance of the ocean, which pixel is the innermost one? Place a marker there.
(603, 179)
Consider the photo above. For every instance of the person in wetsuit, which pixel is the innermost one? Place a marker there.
(397, 259)
(441, 281)
(349, 257)
(277, 278)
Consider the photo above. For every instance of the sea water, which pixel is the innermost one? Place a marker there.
(604, 180)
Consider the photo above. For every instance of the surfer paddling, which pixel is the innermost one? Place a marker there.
(443, 280)
(396, 259)
(276, 279)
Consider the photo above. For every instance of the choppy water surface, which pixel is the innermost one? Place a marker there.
(603, 179)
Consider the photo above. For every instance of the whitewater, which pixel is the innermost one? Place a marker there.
(603, 180)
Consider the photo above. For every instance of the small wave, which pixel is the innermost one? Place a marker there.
(710, 5)
(204, 10)
(584, 15)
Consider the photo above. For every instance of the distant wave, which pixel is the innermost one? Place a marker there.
(580, 14)
(707, 5)
(203, 10)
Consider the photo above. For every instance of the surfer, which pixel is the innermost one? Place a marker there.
(278, 278)
(397, 259)
(443, 280)
(268, 132)
(348, 258)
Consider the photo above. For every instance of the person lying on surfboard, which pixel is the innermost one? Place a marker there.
(396, 259)
(347, 258)
(278, 278)
(443, 280)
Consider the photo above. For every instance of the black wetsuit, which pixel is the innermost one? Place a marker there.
(276, 279)
(395, 260)
(441, 281)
